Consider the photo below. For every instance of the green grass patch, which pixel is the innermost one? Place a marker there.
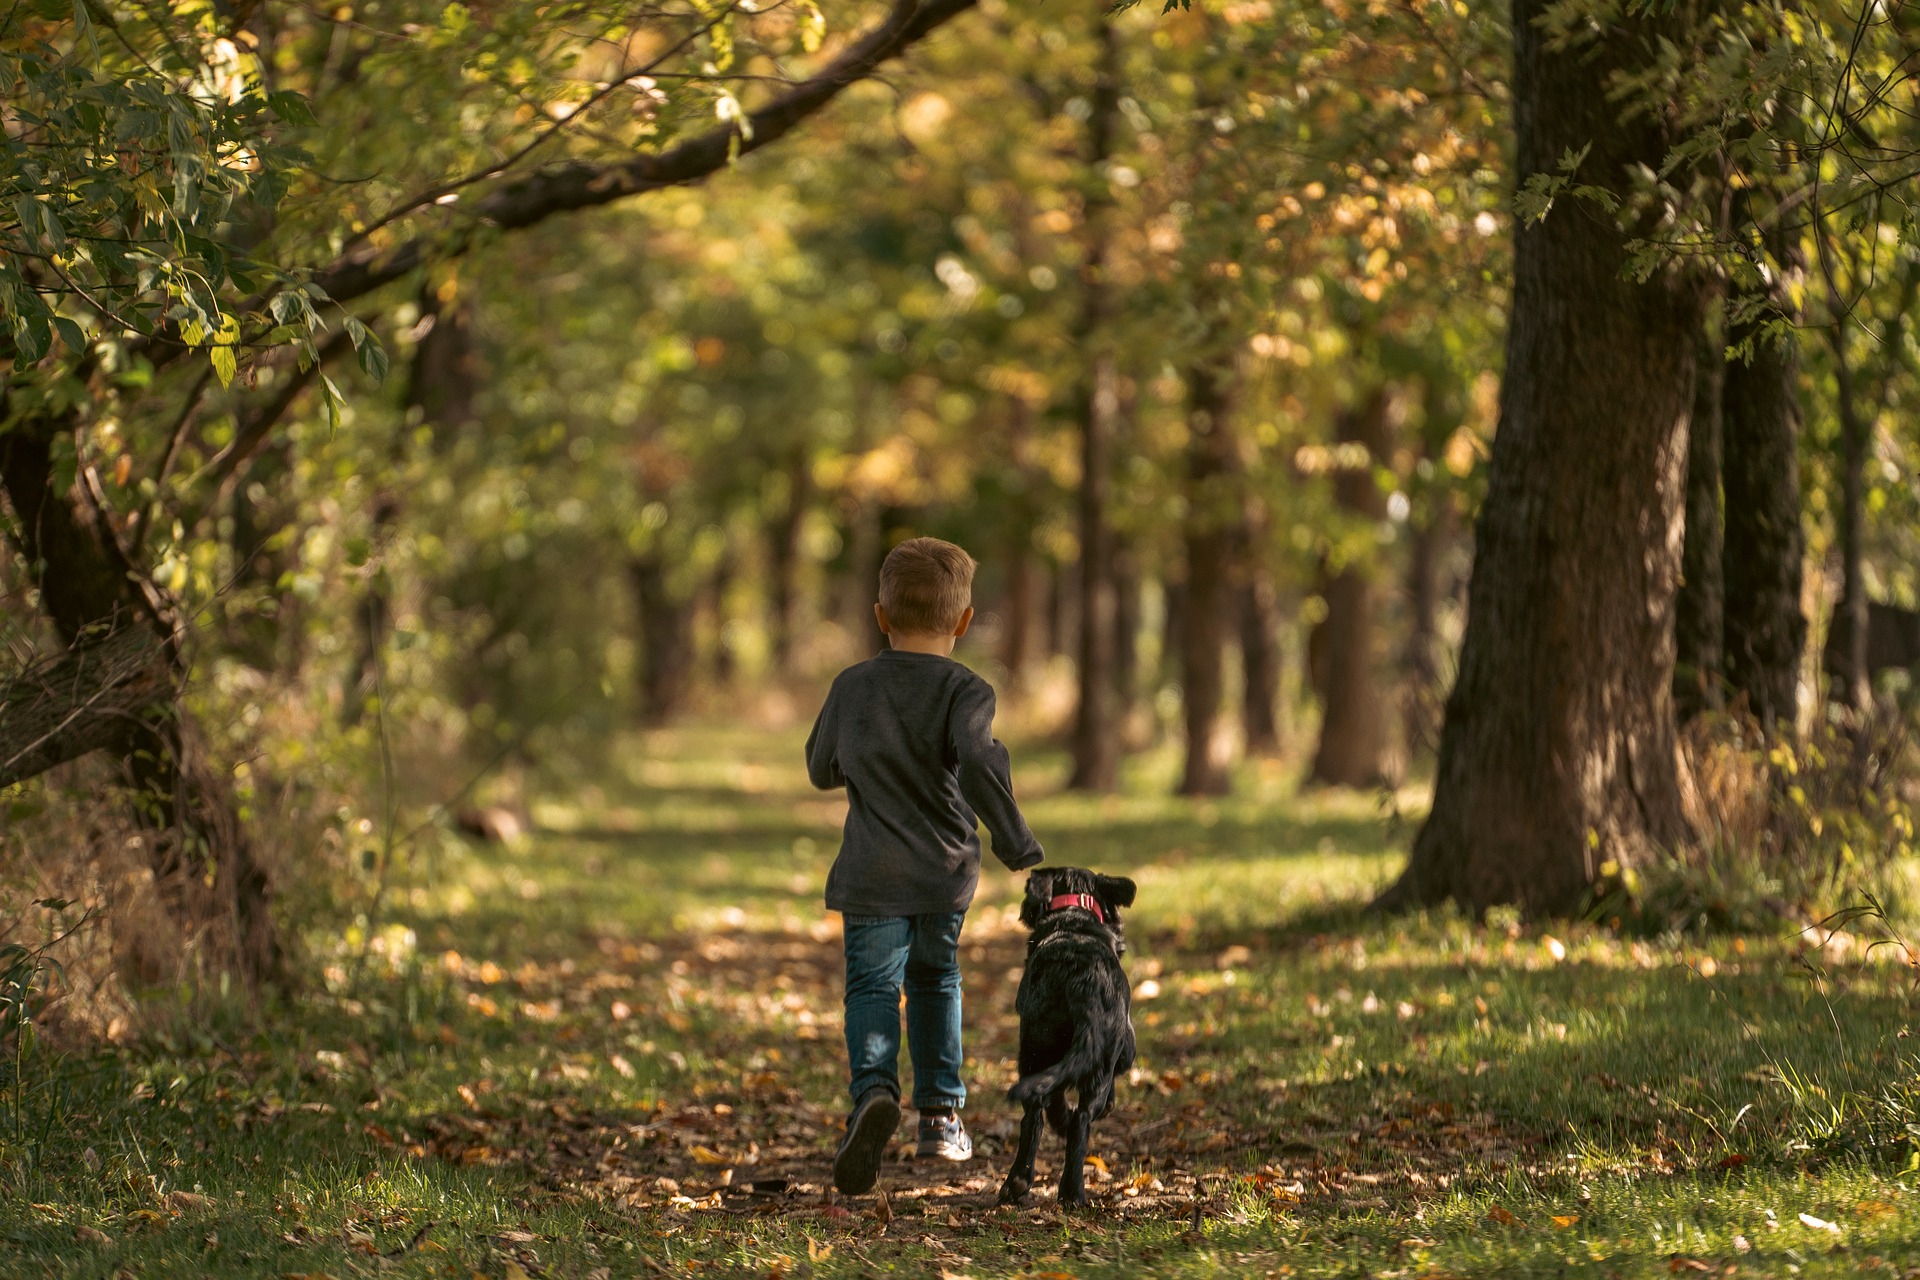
(615, 1049)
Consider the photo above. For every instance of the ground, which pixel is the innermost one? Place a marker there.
(613, 1050)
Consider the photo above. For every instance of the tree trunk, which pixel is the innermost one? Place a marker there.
(1764, 628)
(1096, 746)
(719, 587)
(1850, 680)
(1095, 741)
(1557, 755)
(784, 553)
(1016, 640)
(1126, 631)
(1215, 531)
(197, 846)
(1063, 605)
(1353, 713)
(666, 639)
(1699, 618)
(1022, 587)
(862, 580)
(1260, 662)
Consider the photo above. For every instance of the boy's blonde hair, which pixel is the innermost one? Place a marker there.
(925, 585)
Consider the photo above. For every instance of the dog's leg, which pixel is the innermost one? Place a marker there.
(1073, 1186)
(1020, 1176)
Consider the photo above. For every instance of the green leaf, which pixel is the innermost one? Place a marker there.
(291, 107)
(334, 402)
(71, 335)
(373, 358)
(226, 359)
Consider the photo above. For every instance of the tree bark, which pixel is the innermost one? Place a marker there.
(1096, 746)
(1765, 630)
(1126, 631)
(81, 701)
(1260, 662)
(784, 556)
(1699, 616)
(719, 587)
(1215, 530)
(1353, 713)
(1432, 540)
(1022, 587)
(1850, 680)
(1095, 741)
(1557, 755)
(196, 845)
(666, 639)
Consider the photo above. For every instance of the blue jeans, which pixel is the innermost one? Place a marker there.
(923, 953)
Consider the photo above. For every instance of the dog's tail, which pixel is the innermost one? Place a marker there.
(1080, 1060)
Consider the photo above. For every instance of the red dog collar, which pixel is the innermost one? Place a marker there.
(1085, 901)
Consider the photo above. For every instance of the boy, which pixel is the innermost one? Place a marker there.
(909, 734)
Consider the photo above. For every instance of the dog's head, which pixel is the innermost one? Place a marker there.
(1044, 884)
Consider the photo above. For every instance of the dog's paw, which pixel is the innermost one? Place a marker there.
(1075, 1198)
(1013, 1191)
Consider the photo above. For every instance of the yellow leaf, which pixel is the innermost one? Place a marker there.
(707, 1155)
(515, 1271)
(1501, 1216)
(1874, 1209)
(1563, 1221)
(1098, 1163)
(817, 1251)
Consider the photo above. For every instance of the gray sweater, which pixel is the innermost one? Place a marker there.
(910, 736)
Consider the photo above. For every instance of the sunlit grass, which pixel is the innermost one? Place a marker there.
(1334, 1093)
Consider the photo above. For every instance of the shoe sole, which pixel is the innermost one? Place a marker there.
(858, 1163)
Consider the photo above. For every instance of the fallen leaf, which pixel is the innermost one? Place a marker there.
(1679, 1264)
(514, 1271)
(883, 1209)
(1097, 1163)
(1874, 1209)
(1819, 1224)
(1555, 948)
(91, 1235)
(818, 1252)
(1733, 1161)
(1565, 1220)
(181, 1201)
(707, 1155)
(1501, 1216)
(1053, 1275)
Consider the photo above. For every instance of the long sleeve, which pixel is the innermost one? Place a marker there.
(823, 762)
(986, 778)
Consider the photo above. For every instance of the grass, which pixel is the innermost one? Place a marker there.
(614, 1050)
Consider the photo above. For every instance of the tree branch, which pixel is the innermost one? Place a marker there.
(564, 188)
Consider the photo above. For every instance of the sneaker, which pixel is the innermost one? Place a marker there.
(857, 1163)
(944, 1135)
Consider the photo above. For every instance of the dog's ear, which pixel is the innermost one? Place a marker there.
(1033, 908)
(1114, 890)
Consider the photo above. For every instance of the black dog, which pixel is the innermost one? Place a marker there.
(1075, 1032)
